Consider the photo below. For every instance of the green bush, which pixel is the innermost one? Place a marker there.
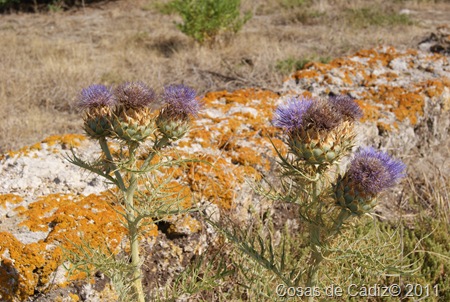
(203, 20)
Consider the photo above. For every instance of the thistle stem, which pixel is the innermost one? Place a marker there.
(133, 227)
(315, 260)
(344, 214)
(316, 256)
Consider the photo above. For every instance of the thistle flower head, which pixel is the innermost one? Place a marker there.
(96, 96)
(136, 95)
(321, 116)
(291, 115)
(374, 171)
(180, 101)
(346, 106)
(317, 133)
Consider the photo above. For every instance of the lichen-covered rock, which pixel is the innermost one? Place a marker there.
(399, 91)
(405, 96)
(44, 200)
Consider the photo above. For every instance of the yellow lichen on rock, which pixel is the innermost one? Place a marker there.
(9, 198)
(20, 269)
(69, 221)
(67, 140)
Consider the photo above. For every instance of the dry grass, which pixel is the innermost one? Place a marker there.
(48, 58)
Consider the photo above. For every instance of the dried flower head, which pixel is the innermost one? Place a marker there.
(291, 115)
(96, 96)
(136, 95)
(321, 116)
(346, 106)
(374, 171)
(180, 101)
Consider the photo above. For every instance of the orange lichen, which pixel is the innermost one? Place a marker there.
(246, 156)
(243, 172)
(410, 105)
(180, 192)
(68, 220)
(22, 151)
(305, 74)
(9, 198)
(201, 136)
(19, 272)
(435, 87)
(371, 112)
(241, 96)
(404, 104)
(407, 103)
(347, 80)
(384, 126)
(278, 145)
(322, 67)
(74, 297)
(68, 140)
(212, 179)
(376, 58)
(36, 146)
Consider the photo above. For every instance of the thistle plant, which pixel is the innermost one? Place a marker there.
(319, 133)
(143, 125)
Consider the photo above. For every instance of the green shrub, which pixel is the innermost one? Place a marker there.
(203, 20)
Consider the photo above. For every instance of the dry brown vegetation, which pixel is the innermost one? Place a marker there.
(49, 57)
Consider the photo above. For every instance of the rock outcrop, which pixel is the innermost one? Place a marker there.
(45, 202)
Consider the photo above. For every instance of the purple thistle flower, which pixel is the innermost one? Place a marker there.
(290, 116)
(346, 106)
(96, 96)
(374, 171)
(136, 95)
(181, 100)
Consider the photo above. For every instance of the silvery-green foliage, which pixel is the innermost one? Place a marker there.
(117, 268)
(203, 275)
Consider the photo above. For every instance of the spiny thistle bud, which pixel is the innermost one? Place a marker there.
(133, 119)
(97, 100)
(370, 173)
(318, 133)
(180, 104)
